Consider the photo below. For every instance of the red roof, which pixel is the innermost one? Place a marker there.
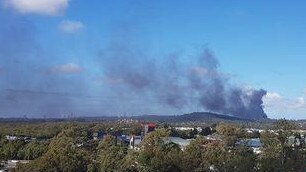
(150, 124)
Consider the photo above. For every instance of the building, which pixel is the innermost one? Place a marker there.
(148, 127)
(11, 138)
(99, 135)
(135, 142)
(184, 128)
(255, 144)
(11, 164)
(123, 139)
(182, 143)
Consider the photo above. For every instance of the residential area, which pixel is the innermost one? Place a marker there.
(133, 145)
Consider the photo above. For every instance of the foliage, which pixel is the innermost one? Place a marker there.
(230, 133)
(283, 149)
(110, 154)
(62, 154)
(157, 155)
(71, 147)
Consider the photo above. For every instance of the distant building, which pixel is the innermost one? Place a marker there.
(184, 128)
(199, 129)
(135, 142)
(11, 138)
(182, 143)
(99, 135)
(213, 137)
(11, 164)
(123, 139)
(255, 144)
(253, 130)
(148, 127)
(294, 141)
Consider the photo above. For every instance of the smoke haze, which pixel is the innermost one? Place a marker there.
(179, 84)
(132, 80)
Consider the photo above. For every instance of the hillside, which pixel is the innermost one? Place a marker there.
(195, 116)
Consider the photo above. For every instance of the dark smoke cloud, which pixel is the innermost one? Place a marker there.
(180, 84)
(135, 81)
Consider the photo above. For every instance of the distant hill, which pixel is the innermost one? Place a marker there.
(195, 116)
(191, 117)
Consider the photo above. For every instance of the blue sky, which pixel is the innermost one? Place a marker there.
(259, 44)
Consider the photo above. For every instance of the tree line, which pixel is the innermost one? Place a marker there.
(283, 150)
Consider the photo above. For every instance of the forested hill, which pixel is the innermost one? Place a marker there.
(195, 116)
(190, 117)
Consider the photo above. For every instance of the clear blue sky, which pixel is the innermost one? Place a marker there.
(261, 44)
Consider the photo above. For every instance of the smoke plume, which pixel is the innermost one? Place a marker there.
(180, 83)
(132, 80)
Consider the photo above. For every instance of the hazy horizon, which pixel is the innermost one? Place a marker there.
(164, 57)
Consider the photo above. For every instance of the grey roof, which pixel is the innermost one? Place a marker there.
(250, 142)
(178, 140)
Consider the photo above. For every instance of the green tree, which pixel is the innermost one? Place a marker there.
(283, 149)
(110, 155)
(206, 131)
(208, 155)
(240, 159)
(192, 157)
(34, 150)
(158, 155)
(12, 150)
(229, 133)
(62, 155)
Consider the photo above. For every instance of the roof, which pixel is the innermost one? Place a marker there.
(137, 140)
(150, 124)
(250, 142)
(178, 140)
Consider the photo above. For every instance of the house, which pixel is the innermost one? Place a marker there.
(123, 139)
(255, 144)
(135, 142)
(11, 138)
(213, 137)
(295, 141)
(184, 128)
(148, 127)
(182, 143)
(98, 135)
(11, 164)
(253, 130)
(199, 129)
